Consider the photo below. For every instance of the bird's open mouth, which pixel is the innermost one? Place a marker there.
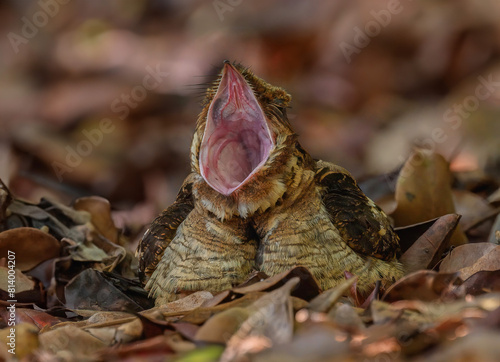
(237, 140)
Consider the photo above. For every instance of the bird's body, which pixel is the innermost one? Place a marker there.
(255, 200)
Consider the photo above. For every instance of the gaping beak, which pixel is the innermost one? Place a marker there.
(237, 140)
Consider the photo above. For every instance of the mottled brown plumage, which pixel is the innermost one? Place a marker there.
(257, 200)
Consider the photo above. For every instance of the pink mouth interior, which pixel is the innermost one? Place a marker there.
(237, 140)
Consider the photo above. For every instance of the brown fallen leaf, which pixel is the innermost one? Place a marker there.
(223, 297)
(479, 283)
(424, 285)
(37, 318)
(127, 332)
(472, 258)
(494, 198)
(494, 236)
(409, 234)
(346, 317)
(185, 304)
(70, 340)
(186, 330)
(100, 211)
(427, 250)
(307, 287)
(481, 346)
(313, 343)
(253, 277)
(221, 327)
(92, 289)
(472, 207)
(31, 246)
(22, 282)
(5, 200)
(202, 314)
(270, 323)
(423, 191)
(151, 349)
(324, 302)
(26, 214)
(26, 341)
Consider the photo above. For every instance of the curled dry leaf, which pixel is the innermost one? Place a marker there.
(409, 234)
(324, 302)
(66, 214)
(92, 289)
(186, 330)
(36, 317)
(202, 314)
(472, 207)
(478, 346)
(100, 211)
(316, 342)
(270, 323)
(494, 236)
(5, 200)
(423, 191)
(478, 283)
(223, 297)
(307, 287)
(35, 216)
(105, 334)
(152, 327)
(472, 258)
(424, 285)
(494, 198)
(128, 332)
(150, 349)
(70, 339)
(98, 249)
(185, 304)
(102, 317)
(23, 283)
(223, 325)
(428, 248)
(31, 246)
(346, 317)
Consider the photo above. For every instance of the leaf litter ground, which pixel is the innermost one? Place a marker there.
(78, 297)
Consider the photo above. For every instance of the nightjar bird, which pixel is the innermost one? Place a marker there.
(256, 200)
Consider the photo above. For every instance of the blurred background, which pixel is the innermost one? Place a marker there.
(101, 97)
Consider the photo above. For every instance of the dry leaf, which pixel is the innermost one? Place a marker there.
(221, 327)
(472, 258)
(72, 340)
(307, 288)
(152, 349)
(31, 246)
(472, 207)
(202, 314)
(424, 285)
(100, 211)
(494, 236)
(426, 251)
(22, 282)
(323, 302)
(423, 191)
(26, 340)
(185, 304)
(270, 323)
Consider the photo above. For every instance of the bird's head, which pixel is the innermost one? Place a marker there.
(242, 126)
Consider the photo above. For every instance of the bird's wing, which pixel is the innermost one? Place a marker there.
(162, 230)
(361, 223)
